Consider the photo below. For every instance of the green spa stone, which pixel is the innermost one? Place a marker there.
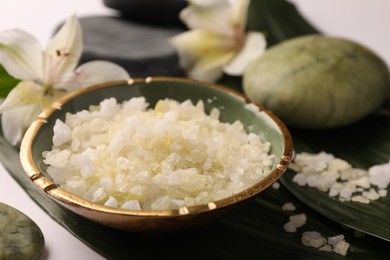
(20, 237)
(318, 81)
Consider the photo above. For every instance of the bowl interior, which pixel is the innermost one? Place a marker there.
(231, 106)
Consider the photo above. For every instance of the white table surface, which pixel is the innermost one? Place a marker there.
(365, 21)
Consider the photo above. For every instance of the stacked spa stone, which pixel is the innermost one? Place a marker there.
(137, 38)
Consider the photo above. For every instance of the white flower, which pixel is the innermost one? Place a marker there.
(217, 41)
(45, 75)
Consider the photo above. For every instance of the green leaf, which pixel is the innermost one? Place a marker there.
(362, 144)
(7, 82)
(278, 19)
(256, 231)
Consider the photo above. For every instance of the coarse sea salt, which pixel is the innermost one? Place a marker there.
(133, 157)
(339, 179)
(288, 206)
(295, 222)
(337, 244)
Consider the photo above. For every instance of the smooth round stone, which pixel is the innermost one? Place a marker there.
(20, 237)
(152, 11)
(142, 49)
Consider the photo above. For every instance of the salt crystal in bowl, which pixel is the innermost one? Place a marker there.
(217, 101)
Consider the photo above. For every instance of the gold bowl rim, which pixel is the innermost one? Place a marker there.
(68, 199)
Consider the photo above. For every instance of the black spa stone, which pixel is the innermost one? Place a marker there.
(161, 12)
(142, 49)
(20, 237)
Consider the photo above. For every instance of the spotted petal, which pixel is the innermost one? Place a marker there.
(203, 54)
(63, 51)
(254, 46)
(21, 55)
(94, 72)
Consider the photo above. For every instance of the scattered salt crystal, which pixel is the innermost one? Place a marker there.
(382, 193)
(379, 175)
(313, 239)
(299, 220)
(336, 244)
(295, 222)
(335, 239)
(326, 248)
(371, 194)
(363, 182)
(338, 165)
(288, 206)
(341, 248)
(290, 227)
(361, 199)
(333, 192)
(313, 180)
(276, 185)
(346, 193)
(300, 178)
(326, 180)
(339, 179)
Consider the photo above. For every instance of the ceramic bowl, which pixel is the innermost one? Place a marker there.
(233, 106)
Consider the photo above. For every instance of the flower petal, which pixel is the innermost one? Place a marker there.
(20, 54)
(211, 15)
(207, 71)
(25, 93)
(238, 15)
(254, 46)
(16, 121)
(202, 53)
(63, 52)
(92, 73)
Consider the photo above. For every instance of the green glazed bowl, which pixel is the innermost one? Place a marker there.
(232, 106)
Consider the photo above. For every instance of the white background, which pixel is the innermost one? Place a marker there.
(366, 21)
